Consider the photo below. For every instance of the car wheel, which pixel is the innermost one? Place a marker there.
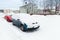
(22, 28)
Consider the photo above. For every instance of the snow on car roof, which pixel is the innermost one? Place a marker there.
(25, 18)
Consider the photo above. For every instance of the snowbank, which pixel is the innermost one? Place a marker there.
(49, 30)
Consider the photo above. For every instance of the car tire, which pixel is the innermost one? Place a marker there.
(22, 28)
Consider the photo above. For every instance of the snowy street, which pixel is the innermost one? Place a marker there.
(49, 29)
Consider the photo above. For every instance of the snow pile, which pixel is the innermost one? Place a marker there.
(2, 14)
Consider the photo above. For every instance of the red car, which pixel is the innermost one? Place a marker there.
(8, 18)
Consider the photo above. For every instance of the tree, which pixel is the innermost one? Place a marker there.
(56, 5)
(48, 5)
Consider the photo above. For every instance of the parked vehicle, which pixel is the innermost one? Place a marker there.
(8, 18)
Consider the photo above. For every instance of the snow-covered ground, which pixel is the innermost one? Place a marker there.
(49, 29)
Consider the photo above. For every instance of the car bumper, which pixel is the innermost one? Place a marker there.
(31, 29)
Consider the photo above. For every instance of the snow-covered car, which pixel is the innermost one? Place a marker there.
(25, 22)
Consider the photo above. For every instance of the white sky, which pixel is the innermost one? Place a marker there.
(11, 4)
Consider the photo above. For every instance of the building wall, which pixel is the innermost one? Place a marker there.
(30, 8)
(7, 10)
(23, 10)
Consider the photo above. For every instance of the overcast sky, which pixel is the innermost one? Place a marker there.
(12, 4)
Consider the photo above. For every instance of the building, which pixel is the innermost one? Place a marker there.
(1, 10)
(28, 8)
(16, 11)
(7, 10)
